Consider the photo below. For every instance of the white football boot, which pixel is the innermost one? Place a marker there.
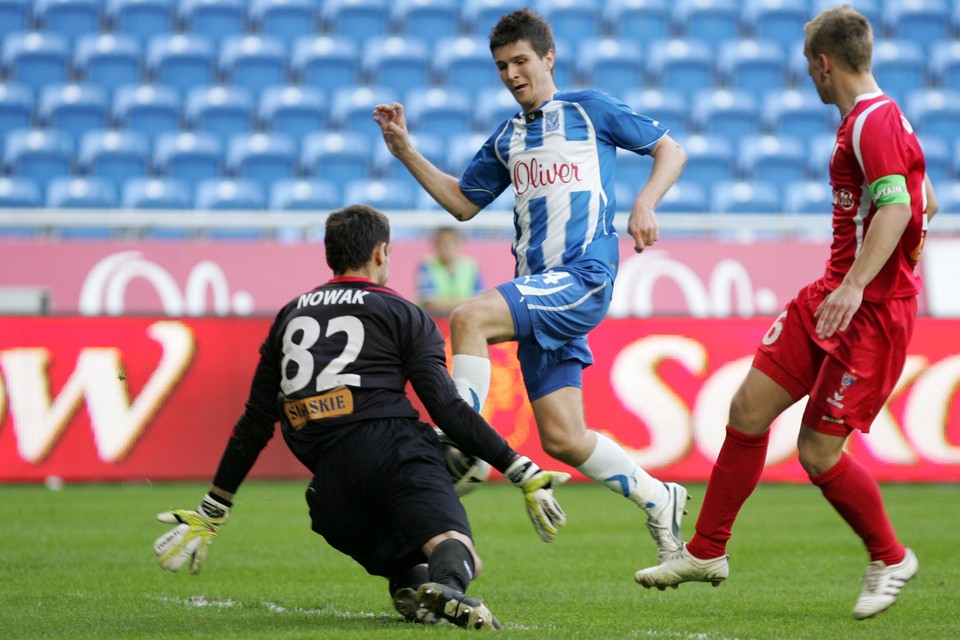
(882, 585)
(663, 521)
(682, 566)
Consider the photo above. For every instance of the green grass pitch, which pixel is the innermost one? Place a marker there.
(77, 563)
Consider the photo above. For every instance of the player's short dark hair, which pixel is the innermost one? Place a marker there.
(351, 235)
(522, 24)
(844, 34)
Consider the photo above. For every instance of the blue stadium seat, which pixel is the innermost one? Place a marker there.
(797, 112)
(685, 196)
(396, 63)
(262, 156)
(465, 63)
(641, 20)
(156, 193)
(670, 108)
(181, 60)
(326, 62)
(35, 58)
(681, 64)
(870, 8)
(611, 65)
(292, 109)
(439, 111)
(215, 19)
(15, 15)
(944, 64)
(777, 20)
(479, 16)
(772, 158)
(752, 65)
(934, 113)
(229, 194)
(632, 169)
(69, 18)
(462, 148)
(572, 20)
(301, 194)
(922, 22)
(899, 66)
(78, 192)
(948, 196)
(114, 154)
(141, 18)
(145, 107)
(337, 156)
(564, 67)
(190, 156)
(287, 19)
(357, 19)
(711, 21)
(382, 194)
(220, 109)
(17, 191)
(108, 60)
(429, 20)
(16, 106)
(734, 113)
(820, 150)
(745, 197)
(40, 154)
(253, 61)
(710, 158)
(808, 196)
(938, 157)
(351, 108)
(494, 105)
(74, 107)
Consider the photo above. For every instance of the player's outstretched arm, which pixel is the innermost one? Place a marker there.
(442, 187)
(669, 158)
(190, 539)
(537, 486)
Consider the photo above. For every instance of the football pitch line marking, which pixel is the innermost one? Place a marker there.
(653, 633)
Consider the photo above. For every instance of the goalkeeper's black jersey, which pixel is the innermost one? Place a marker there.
(342, 354)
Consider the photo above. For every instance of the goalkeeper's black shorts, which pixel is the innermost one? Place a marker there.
(382, 492)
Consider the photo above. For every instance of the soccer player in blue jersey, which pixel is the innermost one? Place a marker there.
(559, 155)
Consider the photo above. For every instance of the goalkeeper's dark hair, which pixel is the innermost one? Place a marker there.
(522, 24)
(351, 235)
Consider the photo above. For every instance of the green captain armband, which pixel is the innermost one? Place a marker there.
(890, 190)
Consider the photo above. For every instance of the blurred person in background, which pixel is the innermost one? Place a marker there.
(447, 278)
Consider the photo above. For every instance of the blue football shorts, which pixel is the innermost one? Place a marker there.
(553, 312)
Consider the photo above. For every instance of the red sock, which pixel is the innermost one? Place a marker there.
(856, 497)
(734, 477)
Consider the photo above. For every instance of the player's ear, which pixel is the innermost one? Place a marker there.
(381, 252)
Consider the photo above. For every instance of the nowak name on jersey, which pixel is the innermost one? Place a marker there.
(331, 296)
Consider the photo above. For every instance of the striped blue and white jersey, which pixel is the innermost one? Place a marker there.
(561, 160)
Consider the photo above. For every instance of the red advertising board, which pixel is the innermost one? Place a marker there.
(155, 398)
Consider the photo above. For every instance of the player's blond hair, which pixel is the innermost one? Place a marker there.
(844, 34)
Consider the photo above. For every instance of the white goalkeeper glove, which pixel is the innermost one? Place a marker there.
(191, 538)
(537, 486)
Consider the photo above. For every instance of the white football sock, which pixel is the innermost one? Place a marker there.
(471, 375)
(610, 465)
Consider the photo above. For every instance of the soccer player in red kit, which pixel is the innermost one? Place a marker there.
(842, 341)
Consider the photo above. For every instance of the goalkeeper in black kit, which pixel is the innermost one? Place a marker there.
(333, 371)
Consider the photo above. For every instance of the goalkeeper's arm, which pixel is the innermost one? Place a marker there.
(190, 539)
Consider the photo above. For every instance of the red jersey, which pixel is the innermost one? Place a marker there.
(877, 160)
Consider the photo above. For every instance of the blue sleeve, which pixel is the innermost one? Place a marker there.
(486, 176)
(621, 126)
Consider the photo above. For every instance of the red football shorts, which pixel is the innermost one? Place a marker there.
(848, 376)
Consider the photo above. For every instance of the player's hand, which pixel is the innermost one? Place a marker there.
(393, 126)
(837, 310)
(642, 225)
(191, 538)
(537, 486)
